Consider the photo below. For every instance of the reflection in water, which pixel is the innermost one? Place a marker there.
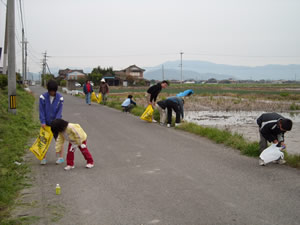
(244, 122)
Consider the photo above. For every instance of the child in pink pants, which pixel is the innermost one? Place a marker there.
(63, 130)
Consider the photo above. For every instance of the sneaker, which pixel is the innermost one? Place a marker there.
(69, 167)
(43, 161)
(168, 125)
(60, 160)
(177, 124)
(281, 161)
(154, 121)
(162, 124)
(261, 162)
(89, 166)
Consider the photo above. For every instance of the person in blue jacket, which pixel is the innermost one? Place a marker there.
(50, 108)
(128, 104)
(172, 103)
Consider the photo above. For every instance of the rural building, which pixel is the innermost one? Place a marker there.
(63, 73)
(134, 71)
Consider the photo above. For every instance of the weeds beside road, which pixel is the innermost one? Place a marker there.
(15, 132)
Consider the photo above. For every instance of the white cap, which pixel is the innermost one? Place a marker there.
(102, 80)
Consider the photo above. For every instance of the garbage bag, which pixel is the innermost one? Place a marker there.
(271, 153)
(147, 115)
(94, 97)
(41, 144)
(99, 98)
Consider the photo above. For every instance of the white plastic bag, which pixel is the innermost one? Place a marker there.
(271, 153)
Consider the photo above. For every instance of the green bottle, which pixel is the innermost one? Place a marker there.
(57, 189)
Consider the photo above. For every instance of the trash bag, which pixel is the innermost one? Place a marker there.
(41, 144)
(96, 98)
(147, 115)
(271, 153)
(99, 98)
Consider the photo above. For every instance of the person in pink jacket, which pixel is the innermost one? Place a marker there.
(63, 130)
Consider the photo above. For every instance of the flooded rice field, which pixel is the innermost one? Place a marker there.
(244, 123)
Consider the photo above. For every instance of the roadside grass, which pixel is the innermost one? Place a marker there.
(225, 137)
(233, 140)
(15, 132)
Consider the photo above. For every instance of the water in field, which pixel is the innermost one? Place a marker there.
(244, 122)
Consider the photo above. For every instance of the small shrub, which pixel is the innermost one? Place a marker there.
(294, 106)
(284, 94)
(63, 83)
(3, 81)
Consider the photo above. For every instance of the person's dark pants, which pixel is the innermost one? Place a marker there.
(263, 143)
(127, 108)
(173, 106)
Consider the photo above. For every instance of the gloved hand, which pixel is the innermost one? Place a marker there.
(73, 148)
(82, 146)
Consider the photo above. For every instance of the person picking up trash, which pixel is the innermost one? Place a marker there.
(50, 108)
(172, 103)
(128, 104)
(272, 127)
(63, 130)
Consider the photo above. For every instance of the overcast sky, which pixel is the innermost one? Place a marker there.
(119, 33)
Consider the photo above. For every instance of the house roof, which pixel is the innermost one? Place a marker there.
(133, 68)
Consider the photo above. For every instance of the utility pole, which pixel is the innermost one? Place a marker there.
(44, 67)
(163, 72)
(12, 106)
(23, 56)
(5, 45)
(181, 66)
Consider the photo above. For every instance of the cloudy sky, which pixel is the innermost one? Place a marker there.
(119, 33)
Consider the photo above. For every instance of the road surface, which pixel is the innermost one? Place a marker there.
(148, 174)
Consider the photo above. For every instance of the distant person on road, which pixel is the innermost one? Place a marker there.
(272, 127)
(50, 108)
(104, 90)
(63, 130)
(128, 104)
(169, 104)
(153, 92)
(87, 89)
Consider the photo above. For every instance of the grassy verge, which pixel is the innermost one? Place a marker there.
(235, 141)
(15, 131)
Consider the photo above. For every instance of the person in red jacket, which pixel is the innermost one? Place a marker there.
(87, 89)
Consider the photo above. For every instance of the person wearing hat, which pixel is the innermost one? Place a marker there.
(104, 90)
(272, 127)
(63, 130)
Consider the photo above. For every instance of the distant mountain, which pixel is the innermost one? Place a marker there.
(202, 70)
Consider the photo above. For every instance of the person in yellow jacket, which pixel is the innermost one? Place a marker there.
(63, 130)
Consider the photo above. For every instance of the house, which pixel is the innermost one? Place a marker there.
(133, 70)
(74, 75)
(63, 73)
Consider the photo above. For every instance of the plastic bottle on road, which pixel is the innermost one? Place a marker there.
(57, 189)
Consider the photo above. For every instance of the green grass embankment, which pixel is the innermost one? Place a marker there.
(15, 132)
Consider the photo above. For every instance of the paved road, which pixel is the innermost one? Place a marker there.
(147, 174)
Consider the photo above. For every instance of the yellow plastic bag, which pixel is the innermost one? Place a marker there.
(147, 115)
(99, 99)
(41, 144)
(94, 97)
